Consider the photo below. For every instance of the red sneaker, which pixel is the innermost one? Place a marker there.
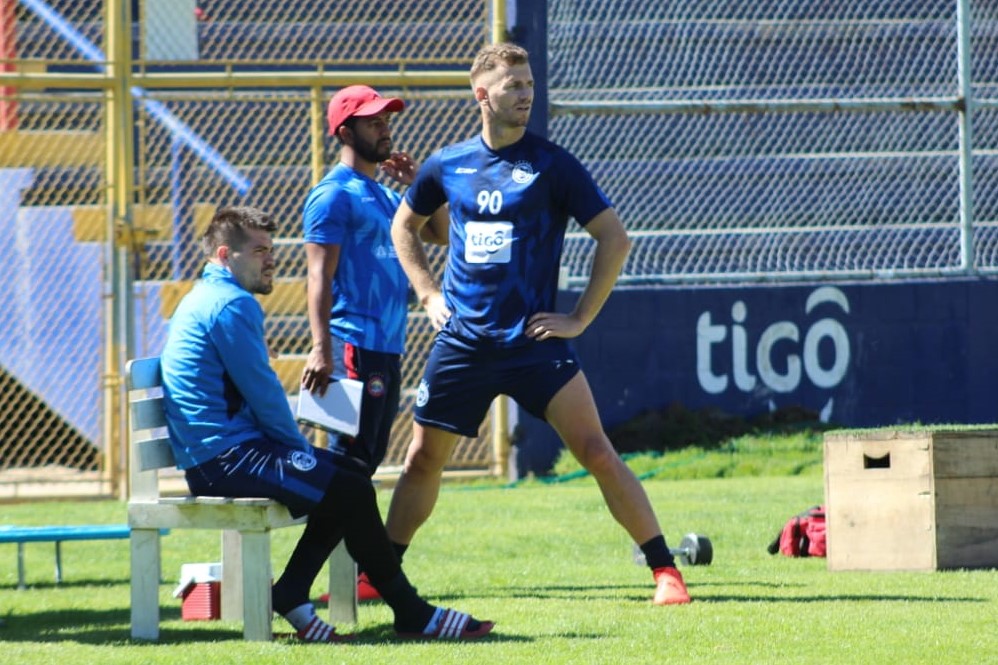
(365, 590)
(669, 587)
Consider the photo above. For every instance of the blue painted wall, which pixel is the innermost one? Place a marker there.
(861, 354)
(50, 306)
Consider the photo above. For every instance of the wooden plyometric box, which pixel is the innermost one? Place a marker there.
(912, 500)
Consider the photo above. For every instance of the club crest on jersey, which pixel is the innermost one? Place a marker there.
(422, 393)
(303, 461)
(376, 385)
(523, 173)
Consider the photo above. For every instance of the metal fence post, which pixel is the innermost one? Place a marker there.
(118, 278)
(966, 119)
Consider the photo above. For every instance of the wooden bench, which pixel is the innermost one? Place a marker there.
(245, 524)
(58, 535)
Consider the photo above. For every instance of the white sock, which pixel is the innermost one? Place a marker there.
(300, 616)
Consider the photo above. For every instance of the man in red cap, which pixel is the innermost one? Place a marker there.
(357, 291)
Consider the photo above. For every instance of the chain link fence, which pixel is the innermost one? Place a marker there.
(195, 149)
(745, 140)
(275, 163)
(51, 308)
(764, 140)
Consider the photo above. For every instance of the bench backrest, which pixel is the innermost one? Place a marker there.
(149, 443)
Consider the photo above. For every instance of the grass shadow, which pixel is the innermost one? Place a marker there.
(844, 598)
(103, 627)
(642, 592)
(67, 584)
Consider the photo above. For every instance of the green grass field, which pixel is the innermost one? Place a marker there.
(549, 565)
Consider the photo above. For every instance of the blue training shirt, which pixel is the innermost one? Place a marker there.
(219, 389)
(370, 289)
(509, 210)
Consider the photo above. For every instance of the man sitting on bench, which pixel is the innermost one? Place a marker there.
(234, 435)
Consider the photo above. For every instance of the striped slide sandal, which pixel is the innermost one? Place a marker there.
(449, 624)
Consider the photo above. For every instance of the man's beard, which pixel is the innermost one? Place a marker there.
(370, 152)
(262, 286)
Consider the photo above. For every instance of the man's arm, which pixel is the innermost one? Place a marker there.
(238, 337)
(612, 247)
(322, 262)
(402, 168)
(406, 228)
(437, 228)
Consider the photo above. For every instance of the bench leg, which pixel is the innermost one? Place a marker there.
(232, 576)
(342, 586)
(145, 576)
(257, 606)
(246, 582)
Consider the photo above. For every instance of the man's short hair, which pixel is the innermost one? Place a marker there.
(494, 55)
(229, 227)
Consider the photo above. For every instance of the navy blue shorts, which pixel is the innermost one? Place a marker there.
(263, 468)
(460, 382)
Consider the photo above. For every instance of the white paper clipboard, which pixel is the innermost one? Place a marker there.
(336, 411)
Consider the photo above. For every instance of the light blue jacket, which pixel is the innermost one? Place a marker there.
(218, 385)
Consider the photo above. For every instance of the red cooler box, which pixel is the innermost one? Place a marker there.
(201, 590)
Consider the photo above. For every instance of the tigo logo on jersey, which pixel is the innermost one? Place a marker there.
(488, 242)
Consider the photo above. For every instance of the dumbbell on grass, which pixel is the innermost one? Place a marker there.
(693, 550)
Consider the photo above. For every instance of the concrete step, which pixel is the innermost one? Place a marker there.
(51, 148)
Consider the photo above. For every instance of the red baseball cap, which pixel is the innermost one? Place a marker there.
(358, 101)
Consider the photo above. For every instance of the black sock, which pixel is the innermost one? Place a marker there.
(310, 554)
(657, 554)
(412, 613)
(399, 551)
(353, 501)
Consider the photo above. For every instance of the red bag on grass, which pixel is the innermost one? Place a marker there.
(802, 535)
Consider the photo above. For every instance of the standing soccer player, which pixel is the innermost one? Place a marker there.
(357, 292)
(510, 194)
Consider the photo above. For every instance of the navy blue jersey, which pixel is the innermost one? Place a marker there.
(509, 209)
(370, 289)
